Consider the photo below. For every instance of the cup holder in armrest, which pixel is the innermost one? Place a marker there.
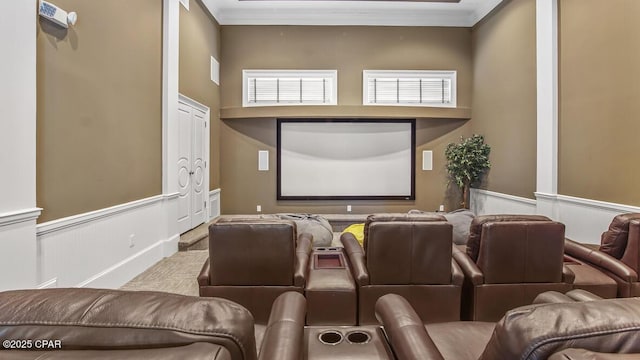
(330, 337)
(358, 337)
(329, 261)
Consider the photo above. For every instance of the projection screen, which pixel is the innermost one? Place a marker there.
(339, 159)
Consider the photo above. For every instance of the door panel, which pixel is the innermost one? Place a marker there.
(198, 168)
(191, 167)
(184, 168)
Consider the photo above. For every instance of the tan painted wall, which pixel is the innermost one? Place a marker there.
(99, 107)
(504, 95)
(349, 50)
(599, 70)
(199, 40)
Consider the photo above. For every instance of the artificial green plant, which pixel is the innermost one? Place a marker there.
(467, 161)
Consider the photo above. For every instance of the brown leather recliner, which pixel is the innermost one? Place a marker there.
(509, 260)
(618, 255)
(527, 333)
(253, 260)
(84, 323)
(410, 255)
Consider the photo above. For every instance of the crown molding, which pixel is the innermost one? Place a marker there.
(450, 17)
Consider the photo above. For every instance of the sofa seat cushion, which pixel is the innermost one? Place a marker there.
(461, 340)
(593, 280)
(195, 351)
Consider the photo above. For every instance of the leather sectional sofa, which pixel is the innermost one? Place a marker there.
(617, 256)
(567, 328)
(112, 324)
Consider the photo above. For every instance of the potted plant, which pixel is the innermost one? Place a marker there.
(466, 163)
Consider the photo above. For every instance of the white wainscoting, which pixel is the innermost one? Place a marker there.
(214, 204)
(585, 219)
(18, 249)
(108, 247)
(488, 202)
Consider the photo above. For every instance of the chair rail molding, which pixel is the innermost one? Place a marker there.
(16, 217)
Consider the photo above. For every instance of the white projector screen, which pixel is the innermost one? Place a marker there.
(346, 159)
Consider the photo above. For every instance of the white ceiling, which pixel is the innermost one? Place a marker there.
(466, 13)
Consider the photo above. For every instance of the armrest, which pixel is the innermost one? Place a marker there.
(469, 268)
(600, 259)
(582, 295)
(407, 335)
(568, 277)
(457, 276)
(203, 277)
(355, 253)
(303, 250)
(284, 335)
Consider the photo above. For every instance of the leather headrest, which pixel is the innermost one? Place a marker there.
(614, 241)
(388, 217)
(475, 230)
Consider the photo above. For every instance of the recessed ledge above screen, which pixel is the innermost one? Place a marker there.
(346, 159)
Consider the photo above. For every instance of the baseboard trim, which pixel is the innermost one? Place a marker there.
(170, 246)
(19, 216)
(118, 274)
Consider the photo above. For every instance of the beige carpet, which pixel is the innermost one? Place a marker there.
(175, 274)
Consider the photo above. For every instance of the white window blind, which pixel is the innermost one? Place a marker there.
(289, 87)
(409, 88)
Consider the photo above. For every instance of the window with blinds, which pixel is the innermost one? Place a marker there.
(409, 88)
(289, 87)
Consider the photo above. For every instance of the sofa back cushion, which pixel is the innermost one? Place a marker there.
(89, 319)
(408, 252)
(521, 252)
(475, 230)
(614, 241)
(537, 331)
(631, 256)
(252, 252)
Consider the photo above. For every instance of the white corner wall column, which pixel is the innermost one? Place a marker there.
(18, 212)
(547, 108)
(170, 70)
(170, 129)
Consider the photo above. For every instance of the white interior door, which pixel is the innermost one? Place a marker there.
(191, 167)
(198, 201)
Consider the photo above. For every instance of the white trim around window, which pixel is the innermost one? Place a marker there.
(433, 88)
(289, 87)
